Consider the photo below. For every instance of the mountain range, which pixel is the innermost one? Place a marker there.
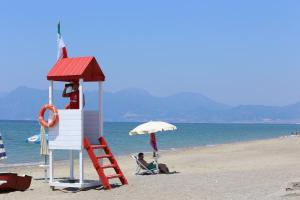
(136, 105)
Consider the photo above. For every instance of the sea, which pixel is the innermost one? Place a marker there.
(187, 135)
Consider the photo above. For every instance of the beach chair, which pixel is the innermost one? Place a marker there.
(141, 169)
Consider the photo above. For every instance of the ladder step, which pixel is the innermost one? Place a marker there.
(104, 156)
(108, 166)
(98, 146)
(100, 168)
(114, 176)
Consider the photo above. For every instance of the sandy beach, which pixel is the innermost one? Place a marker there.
(248, 170)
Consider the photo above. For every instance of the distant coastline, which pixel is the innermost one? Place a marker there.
(275, 123)
(136, 105)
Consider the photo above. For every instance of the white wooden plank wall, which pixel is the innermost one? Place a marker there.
(91, 126)
(67, 132)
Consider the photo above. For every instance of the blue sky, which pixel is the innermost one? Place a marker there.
(235, 52)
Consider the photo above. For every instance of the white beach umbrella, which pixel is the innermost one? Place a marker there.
(2, 149)
(152, 127)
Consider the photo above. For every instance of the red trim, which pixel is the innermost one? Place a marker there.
(153, 142)
(73, 69)
(64, 52)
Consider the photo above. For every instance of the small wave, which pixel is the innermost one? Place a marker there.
(211, 145)
(20, 164)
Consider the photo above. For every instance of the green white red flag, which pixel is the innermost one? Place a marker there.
(62, 50)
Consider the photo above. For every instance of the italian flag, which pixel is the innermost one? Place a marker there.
(62, 50)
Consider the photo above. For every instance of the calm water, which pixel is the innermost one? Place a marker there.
(188, 135)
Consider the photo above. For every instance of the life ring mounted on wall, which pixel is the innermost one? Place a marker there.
(51, 123)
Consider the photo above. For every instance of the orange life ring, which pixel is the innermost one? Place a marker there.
(51, 121)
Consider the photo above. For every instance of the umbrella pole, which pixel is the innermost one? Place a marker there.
(155, 149)
(44, 151)
(45, 169)
(155, 157)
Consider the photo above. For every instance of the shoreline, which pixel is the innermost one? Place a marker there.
(187, 136)
(36, 164)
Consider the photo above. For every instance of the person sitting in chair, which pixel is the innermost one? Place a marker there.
(152, 166)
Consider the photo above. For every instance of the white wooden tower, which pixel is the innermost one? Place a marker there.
(74, 124)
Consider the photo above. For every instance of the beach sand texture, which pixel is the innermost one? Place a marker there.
(248, 170)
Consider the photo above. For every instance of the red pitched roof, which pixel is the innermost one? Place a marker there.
(73, 69)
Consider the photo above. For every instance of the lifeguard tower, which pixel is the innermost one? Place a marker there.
(77, 129)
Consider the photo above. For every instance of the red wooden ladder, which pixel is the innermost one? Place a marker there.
(100, 168)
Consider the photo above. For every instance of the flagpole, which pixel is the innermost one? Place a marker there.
(61, 50)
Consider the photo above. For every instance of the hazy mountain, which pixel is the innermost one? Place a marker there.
(139, 105)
